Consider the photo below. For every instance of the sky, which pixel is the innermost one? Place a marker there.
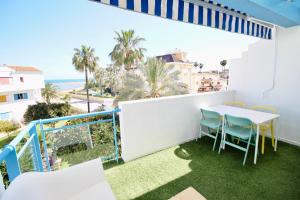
(44, 34)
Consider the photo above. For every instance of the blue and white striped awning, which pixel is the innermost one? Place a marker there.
(201, 12)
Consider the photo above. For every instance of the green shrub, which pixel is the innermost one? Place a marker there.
(8, 126)
(44, 111)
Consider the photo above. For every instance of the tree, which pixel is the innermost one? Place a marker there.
(223, 63)
(113, 77)
(49, 92)
(198, 65)
(84, 59)
(127, 52)
(100, 79)
(44, 111)
(66, 98)
(155, 80)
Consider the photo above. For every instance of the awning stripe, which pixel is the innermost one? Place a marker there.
(205, 13)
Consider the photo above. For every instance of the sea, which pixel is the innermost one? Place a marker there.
(67, 84)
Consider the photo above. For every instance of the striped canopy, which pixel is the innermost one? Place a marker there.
(201, 12)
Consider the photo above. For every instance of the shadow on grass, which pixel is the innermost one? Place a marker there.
(112, 163)
(222, 176)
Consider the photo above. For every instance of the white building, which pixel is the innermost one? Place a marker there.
(189, 75)
(180, 63)
(19, 87)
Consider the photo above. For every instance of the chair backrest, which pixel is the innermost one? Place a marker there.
(238, 121)
(208, 114)
(269, 109)
(236, 104)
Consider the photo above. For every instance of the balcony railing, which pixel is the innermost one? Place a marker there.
(42, 144)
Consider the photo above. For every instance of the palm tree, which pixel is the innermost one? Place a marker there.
(223, 63)
(127, 53)
(49, 92)
(84, 59)
(155, 80)
(66, 98)
(198, 65)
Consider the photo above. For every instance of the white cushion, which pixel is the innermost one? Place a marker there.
(82, 181)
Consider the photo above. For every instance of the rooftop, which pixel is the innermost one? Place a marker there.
(24, 68)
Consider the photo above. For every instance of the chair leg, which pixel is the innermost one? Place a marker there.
(272, 134)
(199, 133)
(221, 143)
(245, 157)
(262, 141)
(216, 139)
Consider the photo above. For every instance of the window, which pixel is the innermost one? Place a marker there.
(22, 79)
(20, 96)
(2, 98)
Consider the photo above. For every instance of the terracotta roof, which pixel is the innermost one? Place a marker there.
(24, 69)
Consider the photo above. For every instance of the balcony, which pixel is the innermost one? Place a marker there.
(151, 151)
(159, 154)
(164, 174)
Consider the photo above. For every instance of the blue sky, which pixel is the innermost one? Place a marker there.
(44, 34)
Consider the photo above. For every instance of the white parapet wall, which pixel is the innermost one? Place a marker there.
(268, 74)
(150, 125)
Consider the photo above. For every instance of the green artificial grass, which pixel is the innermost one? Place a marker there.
(166, 173)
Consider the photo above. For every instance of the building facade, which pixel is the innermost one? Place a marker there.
(19, 87)
(195, 80)
(180, 63)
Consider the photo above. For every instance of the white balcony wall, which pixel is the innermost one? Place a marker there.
(268, 74)
(150, 125)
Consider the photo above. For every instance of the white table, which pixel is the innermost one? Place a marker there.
(257, 117)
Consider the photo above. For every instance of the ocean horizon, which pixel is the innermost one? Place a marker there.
(63, 80)
(66, 84)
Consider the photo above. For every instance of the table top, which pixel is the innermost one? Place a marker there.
(188, 194)
(257, 117)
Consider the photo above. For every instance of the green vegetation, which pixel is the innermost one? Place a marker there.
(82, 155)
(5, 140)
(8, 127)
(223, 63)
(49, 92)
(155, 80)
(66, 98)
(84, 59)
(127, 53)
(69, 148)
(44, 111)
(168, 172)
(129, 77)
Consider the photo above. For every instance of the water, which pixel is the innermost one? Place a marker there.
(67, 84)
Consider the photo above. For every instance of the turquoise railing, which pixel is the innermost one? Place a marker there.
(11, 156)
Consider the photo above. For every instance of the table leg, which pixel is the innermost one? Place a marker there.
(256, 144)
(223, 134)
(276, 132)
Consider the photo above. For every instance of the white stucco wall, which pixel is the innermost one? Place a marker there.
(32, 81)
(19, 107)
(151, 125)
(265, 63)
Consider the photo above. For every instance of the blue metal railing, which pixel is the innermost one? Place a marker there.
(11, 157)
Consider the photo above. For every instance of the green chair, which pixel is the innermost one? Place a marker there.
(241, 128)
(213, 121)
